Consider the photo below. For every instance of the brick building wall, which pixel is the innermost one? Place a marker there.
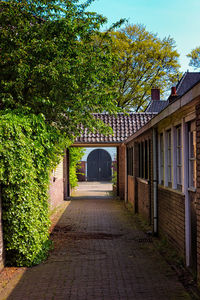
(121, 150)
(56, 188)
(198, 187)
(171, 205)
(139, 190)
(171, 214)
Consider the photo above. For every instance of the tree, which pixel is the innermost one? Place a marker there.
(49, 65)
(194, 58)
(145, 61)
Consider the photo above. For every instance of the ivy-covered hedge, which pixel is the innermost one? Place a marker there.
(76, 153)
(29, 149)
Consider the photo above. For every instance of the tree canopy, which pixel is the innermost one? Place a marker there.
(194, 56)
(145, 61)
(49, 65)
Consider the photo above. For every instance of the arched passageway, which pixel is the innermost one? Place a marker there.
(99, 165)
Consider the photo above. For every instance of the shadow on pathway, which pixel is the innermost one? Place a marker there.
(99, 254)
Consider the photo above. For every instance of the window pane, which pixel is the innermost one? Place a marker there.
(161, 159)
(192, 158)
(191, 144)
(169, 174)
(191, 173)
(169, 158)
(179, 157)
(179, 177)
(179, 136)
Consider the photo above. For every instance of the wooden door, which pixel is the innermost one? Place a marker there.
(99, 166)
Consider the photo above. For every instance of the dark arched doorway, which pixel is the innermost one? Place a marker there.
(99, 164)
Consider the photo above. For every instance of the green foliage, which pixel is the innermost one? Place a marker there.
(145, 61)
(49, 65)
(76, 154)
(29, 149)
(52, 79)
(194, 58)
(114, 177)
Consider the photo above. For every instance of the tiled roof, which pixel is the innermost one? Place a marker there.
(186, 82)
(156, 106)
(123, 126)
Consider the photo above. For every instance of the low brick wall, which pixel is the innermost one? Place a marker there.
(171, 212)
(144, 201)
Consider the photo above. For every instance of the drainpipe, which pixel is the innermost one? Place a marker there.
(155, 184)
(126, 179)
(185, 185)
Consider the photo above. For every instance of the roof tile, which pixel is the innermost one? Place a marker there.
(123, 125)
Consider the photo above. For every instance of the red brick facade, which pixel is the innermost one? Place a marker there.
(171, 204)
(139, 189)
(178, 207)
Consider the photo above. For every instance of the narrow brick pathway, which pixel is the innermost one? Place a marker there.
(99, 255)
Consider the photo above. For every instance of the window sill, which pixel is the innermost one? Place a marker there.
(192, 189)
(171, 190)
(145, 181)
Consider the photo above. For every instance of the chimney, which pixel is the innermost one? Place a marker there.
(173, 95)
(173, 91)
(155, 94)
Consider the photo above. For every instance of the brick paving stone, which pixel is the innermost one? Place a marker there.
(100, 257)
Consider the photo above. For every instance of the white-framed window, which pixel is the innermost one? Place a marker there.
(169, 157)
(192, 155)
(161, 159)
(179, 157)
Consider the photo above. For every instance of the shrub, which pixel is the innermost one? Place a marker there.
(29, 149)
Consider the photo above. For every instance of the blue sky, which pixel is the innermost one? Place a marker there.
(179, 19)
